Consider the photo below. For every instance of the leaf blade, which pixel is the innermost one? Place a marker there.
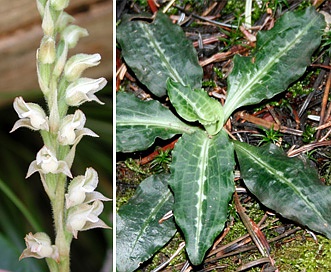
(157, 51)
(202, 182)
(138, 233)
(274, 67)
(139, 122)
(286, 185)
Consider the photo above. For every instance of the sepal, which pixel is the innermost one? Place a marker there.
(83, 90)
(31, 115)
(81, 189)
(76, 65)
(39, 246)
(46, 162)
(72, 33)
(84, 217)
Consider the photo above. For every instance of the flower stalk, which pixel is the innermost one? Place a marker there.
(75, 203)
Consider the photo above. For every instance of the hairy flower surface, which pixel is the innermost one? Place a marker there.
(72, 33)
(85, 216)
(39, 246)
(81, 189)
(46, 162)
(78, 63)
(83, 89)
(31, 114)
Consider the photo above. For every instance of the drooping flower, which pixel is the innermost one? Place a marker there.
(85, 216)
(39, 246)
(72, 128)
(46, 162)
(83, 90)
(81, 189)
(31, 115)
(78, 63)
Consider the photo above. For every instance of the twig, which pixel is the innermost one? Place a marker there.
(269, 125)
(152, 156)
(324, 104)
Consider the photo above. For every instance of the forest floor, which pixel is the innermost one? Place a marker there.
(292, 247)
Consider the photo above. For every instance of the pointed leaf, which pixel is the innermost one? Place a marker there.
(196, 105)
(138, 233)
(139, 122)
(202, 182)
(158, 50)
(286, 185)
(282, 55)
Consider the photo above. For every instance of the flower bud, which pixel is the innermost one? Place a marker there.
(39, 246)
(47, 24)
(63, 21)
(72, 33)
(47, 52)
(83, 90)
(81, 189)
(78, 63)
(31, 114)
(85, 216)
(46, 162)
(59, 4)
(61, 53)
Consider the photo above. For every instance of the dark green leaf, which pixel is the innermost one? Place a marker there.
(139, 122)
(282, 55)
(139, 235)
(286, 185)
(196, 105)
(159, 50)
(202, 182)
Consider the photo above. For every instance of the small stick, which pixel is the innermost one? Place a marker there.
(151, 156)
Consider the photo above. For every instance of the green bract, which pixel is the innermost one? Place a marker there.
(201, 178)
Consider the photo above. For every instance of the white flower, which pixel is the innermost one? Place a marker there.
(85, 216)
(78, 63)
(39, 246)
(72, 33)
(31, 114)
(46, 162)
(59, 4)
(47, 23)
(81, 189)
(83, 90)
(72, 129)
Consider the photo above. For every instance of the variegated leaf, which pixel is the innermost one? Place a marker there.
(202, 183)
(282, 55)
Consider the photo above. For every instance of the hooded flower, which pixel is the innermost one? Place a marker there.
(72, 129)
(83, 90)
(46, 162)
(31, 115)
(78, 63)
(72, 33)
(39, 246)
(81, 189)
(85, 216)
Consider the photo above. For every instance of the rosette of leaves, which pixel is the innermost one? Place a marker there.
(203, 160)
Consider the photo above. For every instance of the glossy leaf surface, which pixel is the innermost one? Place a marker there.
(202, 183)
(159, 50)
(289, 186)
(196, 105)
(138, 233)
(139, 122)
(282, 55)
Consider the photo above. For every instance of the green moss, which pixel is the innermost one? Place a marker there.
(304, 255)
